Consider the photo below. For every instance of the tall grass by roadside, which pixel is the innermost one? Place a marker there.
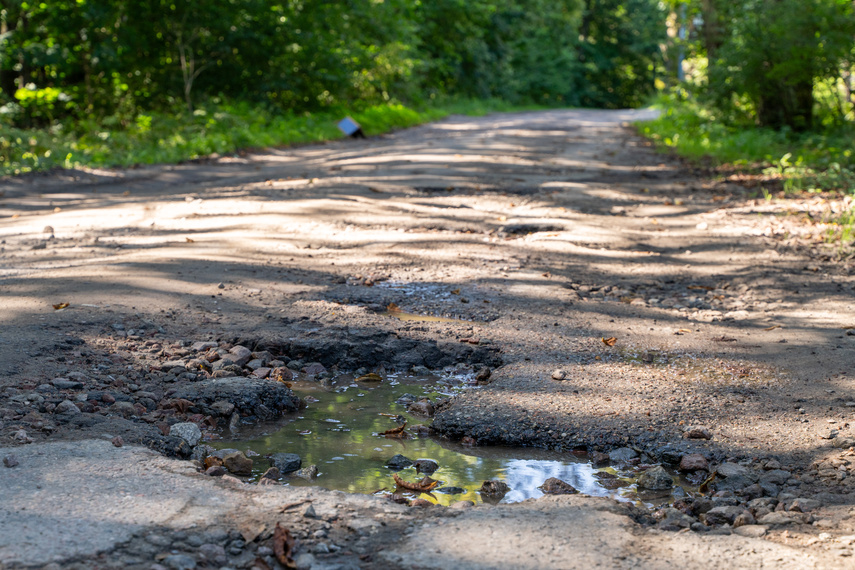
(217, 127)
(821, 161)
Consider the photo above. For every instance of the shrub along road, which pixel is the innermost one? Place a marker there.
(621, 302)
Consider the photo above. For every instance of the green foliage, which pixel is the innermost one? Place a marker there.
(113, 58)
(767, 57)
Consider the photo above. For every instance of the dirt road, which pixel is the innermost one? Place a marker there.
(544, 236)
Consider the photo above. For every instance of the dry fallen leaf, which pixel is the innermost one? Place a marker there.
(393, 308)
(609, 341)
(395, 431)
(283, 545)
(703, 287)
(60, 306)
(684, 330)
(773, 327)
(190, 240)
(456, 292)
(418, 487)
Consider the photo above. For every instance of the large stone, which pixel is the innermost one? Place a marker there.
(734, 477)
(694, 462)
(655, 479)
(240, 355)
(286, 462)
(66, 384)
(722, 515)
(802, 505)
(780, 517)
(238, 463)
(188, 431)
(775, 476)
(622, 455)
(398, 462)
(252, 398)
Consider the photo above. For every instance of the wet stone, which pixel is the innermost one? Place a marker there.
(655, 479)
(554, 486)
(286, 462)
(399, 462)
(307, 473)
(426, 466)
(238, 463)
(722, 515)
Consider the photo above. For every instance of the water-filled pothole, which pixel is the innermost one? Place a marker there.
(339, 432)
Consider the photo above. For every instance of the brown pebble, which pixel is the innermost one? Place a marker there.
(108, 399)
(462, 505)
(118, 441)
(215, 471)
(10, 461)
(422, 503)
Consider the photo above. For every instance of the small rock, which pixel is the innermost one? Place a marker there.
(286, 462)
(554, 486)
(779, 517)
(238, 463)
(10, 460)
(422, 503)
(559, 375)
(483, 374)
(655, 479)
(744, 518)
(272, 473)
(462, 505)
(751, 530)
(67, 407)
(426, 466)
(66, 384)
(214, 553)
(698, 432)
(422, 408)
(22, 437)
(694, 462)
(188, 431)
(179, 562)
(599, 459)
(203, 345)
(398, 462)
(315, 369)
(310, 512)
(261, 372)
(215, 471)
(307, 473)
(494, 488)
(118, 441)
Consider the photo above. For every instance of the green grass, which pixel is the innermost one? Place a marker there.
(150, 138)
(814, 161)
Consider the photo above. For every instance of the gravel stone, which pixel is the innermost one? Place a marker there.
(188, 431)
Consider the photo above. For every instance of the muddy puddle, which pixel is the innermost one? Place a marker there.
(340, 432)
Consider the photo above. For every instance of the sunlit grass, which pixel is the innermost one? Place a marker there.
(216, 128)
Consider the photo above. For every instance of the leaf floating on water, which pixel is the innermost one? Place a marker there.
(395, 432)
(283, 546)
(60, 306)
(370, 377)
(418, 487)
(609, 341)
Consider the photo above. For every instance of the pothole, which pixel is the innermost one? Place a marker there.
(340, 433)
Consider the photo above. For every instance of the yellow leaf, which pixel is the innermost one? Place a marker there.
(60, 306)
(609, 341)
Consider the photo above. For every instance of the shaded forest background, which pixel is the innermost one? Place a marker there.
(75, 73)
